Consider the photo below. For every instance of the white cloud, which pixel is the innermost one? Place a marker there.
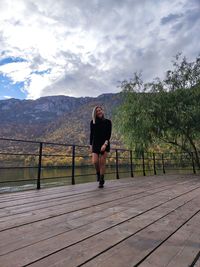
(16, 71)
(83, 48)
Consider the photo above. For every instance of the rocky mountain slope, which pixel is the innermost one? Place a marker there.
(60, 119)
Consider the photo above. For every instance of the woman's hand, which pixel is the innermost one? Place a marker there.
(103, 148)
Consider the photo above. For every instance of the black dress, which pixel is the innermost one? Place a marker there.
(99, 133)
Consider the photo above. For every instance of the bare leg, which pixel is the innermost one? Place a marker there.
(103, 163)
(96, 161)
(102, 169)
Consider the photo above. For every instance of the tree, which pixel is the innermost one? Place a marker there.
(163, 112)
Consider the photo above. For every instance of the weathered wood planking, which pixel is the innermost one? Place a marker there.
(148, 221)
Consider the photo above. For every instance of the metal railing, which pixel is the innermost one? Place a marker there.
(17, 155)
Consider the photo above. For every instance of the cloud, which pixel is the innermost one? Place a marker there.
(16, 71)
(81, 48)
(170, 18)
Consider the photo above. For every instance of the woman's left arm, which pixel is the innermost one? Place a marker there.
(108, 130)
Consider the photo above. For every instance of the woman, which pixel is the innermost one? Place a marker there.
(100, 133)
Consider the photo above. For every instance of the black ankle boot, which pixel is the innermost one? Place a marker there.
(98, 176)
(101, 181)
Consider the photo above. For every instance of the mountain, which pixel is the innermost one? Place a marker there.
(60, 119)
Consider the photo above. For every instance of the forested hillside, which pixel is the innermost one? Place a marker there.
(60, 119)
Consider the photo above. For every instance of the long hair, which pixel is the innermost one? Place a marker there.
(94, 113)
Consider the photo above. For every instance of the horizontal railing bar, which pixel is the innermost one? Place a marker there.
(53, 155)
(16, 181)
(89, 174)
(18, 154)
(19, 140)
(52, 143)
(56, 177)
(56, 155)
(59, 166)
(17, 167)
(65, 144)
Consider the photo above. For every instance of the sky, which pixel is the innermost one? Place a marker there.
(86, 47)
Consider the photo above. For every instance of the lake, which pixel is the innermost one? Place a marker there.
(26, 178)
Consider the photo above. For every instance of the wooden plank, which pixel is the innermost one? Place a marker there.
(58, 200)
(66, 222)
(123, 254)
(57, 195)
(131, 251)
(180, 249)
(48, 197)
(37, 196)
(112, 234)
(11, 210)
(68, 190)
(24, 203)
(66, 217)
(31, 216)
(57, 210)
(87, 187)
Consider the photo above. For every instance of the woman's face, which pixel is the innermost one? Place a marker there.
(99, 112)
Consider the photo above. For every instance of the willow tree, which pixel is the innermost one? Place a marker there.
(164, 111)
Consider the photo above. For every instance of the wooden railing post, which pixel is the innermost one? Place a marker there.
(193, 164)
(163, 164)
(154, 163)
(117, 164)
(143, 164)
(131, 161)
(39, 165)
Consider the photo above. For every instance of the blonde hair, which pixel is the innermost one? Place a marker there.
(94, 113)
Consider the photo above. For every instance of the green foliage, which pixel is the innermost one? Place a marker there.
(163, 112)
(132, 121)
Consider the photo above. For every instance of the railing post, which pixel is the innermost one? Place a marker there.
(117, 165)
(131, 161)
(193, 165)
(154, 163)
(163, 164)
(73, 164)
(143, 164)
(39, 165)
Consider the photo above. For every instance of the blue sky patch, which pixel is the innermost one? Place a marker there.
(41, 72)
(8, 60)
(8, 89)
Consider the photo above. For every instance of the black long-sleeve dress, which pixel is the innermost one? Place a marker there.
(99, 133)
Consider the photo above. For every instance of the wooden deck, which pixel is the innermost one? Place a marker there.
(145, 221)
